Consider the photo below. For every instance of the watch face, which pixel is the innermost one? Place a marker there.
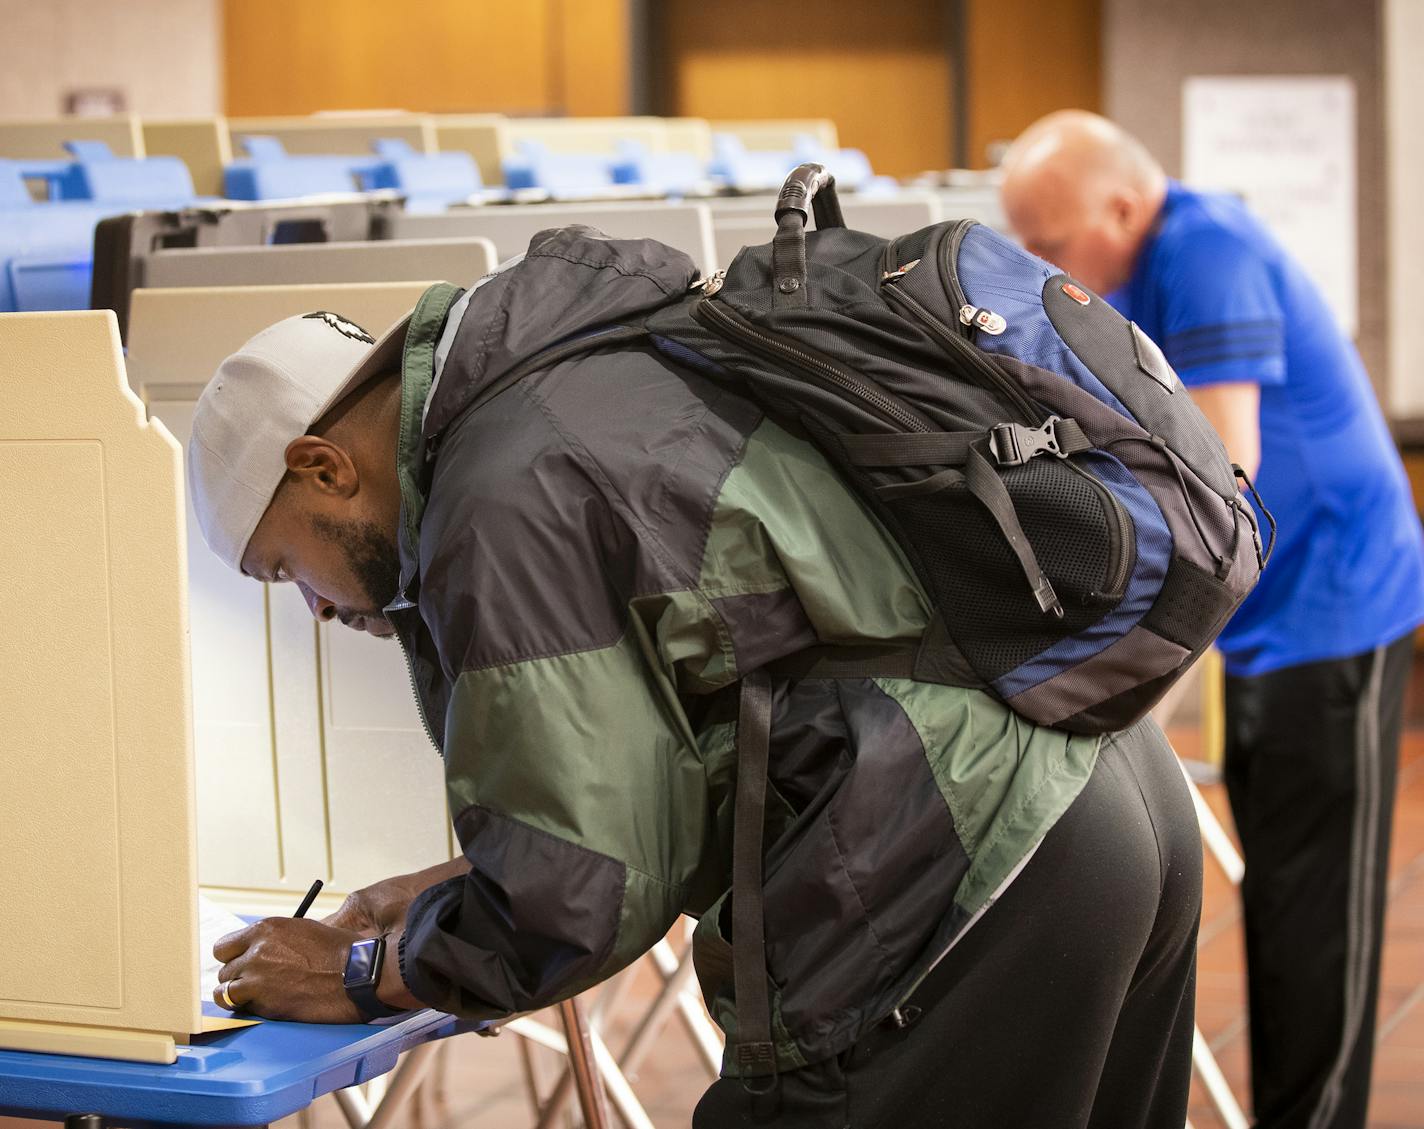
(361, 964)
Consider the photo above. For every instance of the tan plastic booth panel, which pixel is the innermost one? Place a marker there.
(739, 223)
(97, 870)
(588, 135)
(201, 144)
(479, 135)
(689, 135)
(336, 133)
(44, 138)
(780, 133)
(311, 758)
(489, 138)
(462, 260)
(687, 227)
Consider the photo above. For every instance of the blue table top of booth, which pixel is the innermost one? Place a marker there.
(248, 1076)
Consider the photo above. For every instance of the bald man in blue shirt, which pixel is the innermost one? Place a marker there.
(1318, 656)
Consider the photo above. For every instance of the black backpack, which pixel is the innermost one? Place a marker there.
(1068, 509)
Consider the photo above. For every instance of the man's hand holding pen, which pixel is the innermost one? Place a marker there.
(293, 968)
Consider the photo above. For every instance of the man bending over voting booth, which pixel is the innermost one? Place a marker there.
(582, 556)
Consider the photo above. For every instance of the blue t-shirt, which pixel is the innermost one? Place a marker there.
(1227, 303)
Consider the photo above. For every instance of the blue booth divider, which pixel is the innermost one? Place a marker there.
(430, 182)
(755, 170)
(47, 244)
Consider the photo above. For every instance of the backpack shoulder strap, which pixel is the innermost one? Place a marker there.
(756, 1052)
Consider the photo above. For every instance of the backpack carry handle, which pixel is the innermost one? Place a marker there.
(811, 185)
(809, 190)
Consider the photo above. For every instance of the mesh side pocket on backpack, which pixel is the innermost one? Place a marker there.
(975, 579)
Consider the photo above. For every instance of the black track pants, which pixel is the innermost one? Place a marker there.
(1068, 1004)
(1311, 758)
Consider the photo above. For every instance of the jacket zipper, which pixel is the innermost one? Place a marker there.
(727, 324)
(415, 693)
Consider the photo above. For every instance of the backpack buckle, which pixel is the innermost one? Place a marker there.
(1013, 444)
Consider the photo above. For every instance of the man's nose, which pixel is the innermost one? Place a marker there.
(320, 606)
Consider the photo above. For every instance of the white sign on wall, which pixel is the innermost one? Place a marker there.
(1286, 145)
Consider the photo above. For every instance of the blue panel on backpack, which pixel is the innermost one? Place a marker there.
(997, 274)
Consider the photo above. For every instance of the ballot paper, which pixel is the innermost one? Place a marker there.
(213, 922)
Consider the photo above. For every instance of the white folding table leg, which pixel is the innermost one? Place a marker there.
(1217, 1089)
(353, 1105)
(611, 995)
(402, 1084)
(375, 1089)
(656, 1017)
(1217, 841)
(625, 1103)
(1229, 859)
(531, 1076)
(702, 1031)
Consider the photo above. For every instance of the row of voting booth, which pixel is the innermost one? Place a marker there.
(170, 724)
(60, 179)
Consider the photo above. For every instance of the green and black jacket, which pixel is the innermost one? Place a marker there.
(592, 558)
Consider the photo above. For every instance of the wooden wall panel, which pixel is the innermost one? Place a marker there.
(1024, 59)
(442, 56)
(162, 55)
(880, 71)
(593, 65)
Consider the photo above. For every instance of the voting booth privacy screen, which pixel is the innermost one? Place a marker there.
(97, 816)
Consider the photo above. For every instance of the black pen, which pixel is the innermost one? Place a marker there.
(307, 901)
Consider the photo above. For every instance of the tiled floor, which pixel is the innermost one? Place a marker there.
(484, 1079)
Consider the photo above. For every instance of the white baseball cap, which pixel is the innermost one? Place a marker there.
(265, 395)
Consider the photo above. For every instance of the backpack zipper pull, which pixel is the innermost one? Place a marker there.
(900, 272)
(979, 317)
(711, 285)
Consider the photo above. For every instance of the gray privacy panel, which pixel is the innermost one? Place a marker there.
(459, 260)
(688, 227)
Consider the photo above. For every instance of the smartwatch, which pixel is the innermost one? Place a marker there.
(363, 975)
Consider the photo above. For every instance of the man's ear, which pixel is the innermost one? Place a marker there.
(1125, 207)
(321, 465)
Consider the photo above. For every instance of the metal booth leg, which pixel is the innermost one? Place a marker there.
(587, 1080)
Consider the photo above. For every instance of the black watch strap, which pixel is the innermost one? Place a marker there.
(363, 976)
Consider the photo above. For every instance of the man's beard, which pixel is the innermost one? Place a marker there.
(372, 558)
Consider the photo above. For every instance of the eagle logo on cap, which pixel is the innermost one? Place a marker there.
(342, 326)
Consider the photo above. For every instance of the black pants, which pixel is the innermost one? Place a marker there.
(1311, 757)
(1068, 1004)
